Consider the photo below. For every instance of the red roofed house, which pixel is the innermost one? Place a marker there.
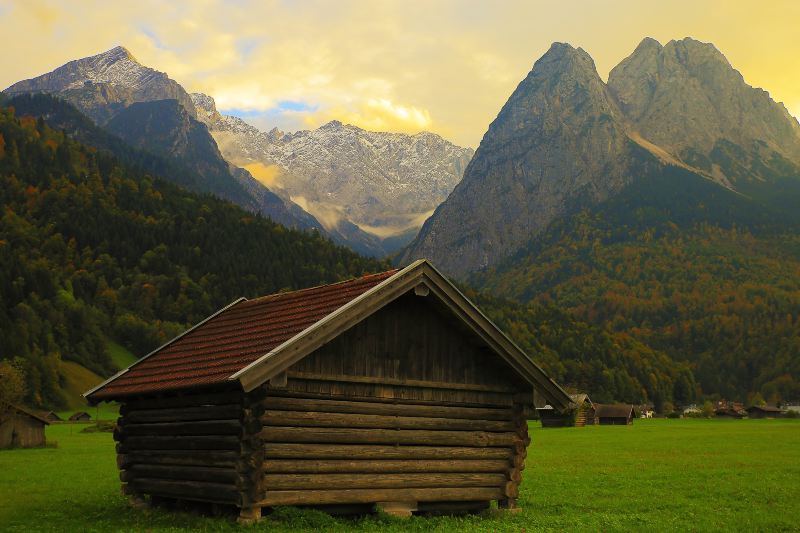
(390, 390)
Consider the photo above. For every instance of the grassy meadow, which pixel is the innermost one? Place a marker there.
(657, 475)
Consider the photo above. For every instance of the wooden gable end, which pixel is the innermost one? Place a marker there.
(414, 348)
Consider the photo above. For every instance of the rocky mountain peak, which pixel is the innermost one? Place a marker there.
(688, 99)
(204, 102)
(118, 53)
(648, 43)
(332, 125)
(559, 140)
(104, 84)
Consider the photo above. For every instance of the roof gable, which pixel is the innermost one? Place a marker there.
(27, 412)
(251, 341)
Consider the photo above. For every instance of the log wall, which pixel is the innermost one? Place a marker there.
(188, 447)
(355, 450)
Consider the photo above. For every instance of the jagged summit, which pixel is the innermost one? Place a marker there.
(560, 138)
(687, 98)
(647, 44)
(565, 139)
(371, 190)
(118, 53)
(102, 85)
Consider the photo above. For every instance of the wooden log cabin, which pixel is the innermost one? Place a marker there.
(391, 391)
(21, 428)
(579, 414)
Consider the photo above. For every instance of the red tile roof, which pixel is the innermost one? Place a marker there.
(234, 338)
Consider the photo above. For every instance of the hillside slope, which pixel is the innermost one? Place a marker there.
(68, 279)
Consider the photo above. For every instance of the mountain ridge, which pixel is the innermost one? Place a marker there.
(381, 183)
(117, 92)
(537, 160)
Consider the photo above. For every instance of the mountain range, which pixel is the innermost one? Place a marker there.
(566, 139)
(371, 190)
(152, 112)
(661, 205)
(638, 235)
(368, 190)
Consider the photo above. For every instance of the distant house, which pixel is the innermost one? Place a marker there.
(80, 416)
(579, 414)
(729, 412)
(765, 411)
(21, 428)
(792, 409)
(52, 416)
(692, 410)
(646, 410)
(614, 414)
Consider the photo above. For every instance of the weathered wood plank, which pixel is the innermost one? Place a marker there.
(317, 466)
(184, 473)
(180, 443)
(387, 436)
(183, 400)
(426, 384)
(199, 427)
(276, 450)
(322, 497)
(364, 481)
(349, 391)
(377, 408)
(179, 458)
(184, 414)
(357, 420)
(188, 490)
(396, 396)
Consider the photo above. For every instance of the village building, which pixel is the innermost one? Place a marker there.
(21, 428)
(580, 413)
(391, 391)
(52, 416)
(614, 414)
(765, 411)
(80, 416)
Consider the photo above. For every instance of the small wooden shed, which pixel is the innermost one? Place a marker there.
(614, 414)
(765, 411)
(21, 428)
(391, 390)
(80, 416)
(52, 416)
(580, 413)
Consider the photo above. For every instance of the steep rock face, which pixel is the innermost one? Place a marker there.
(686, 98)
(151, 112)
(559, 142)
(104, 84)
(165, 128)
(373, 187)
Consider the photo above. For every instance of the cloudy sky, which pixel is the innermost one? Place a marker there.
(440, 65)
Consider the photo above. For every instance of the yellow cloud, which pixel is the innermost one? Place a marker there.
(388, 67)
(269, 175)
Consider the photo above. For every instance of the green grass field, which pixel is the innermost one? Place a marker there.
(657, 475)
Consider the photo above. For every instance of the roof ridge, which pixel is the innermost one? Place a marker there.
(365, 276)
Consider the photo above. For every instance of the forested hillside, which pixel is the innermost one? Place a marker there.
(705, 275)
(612, 366)
(90, 249)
